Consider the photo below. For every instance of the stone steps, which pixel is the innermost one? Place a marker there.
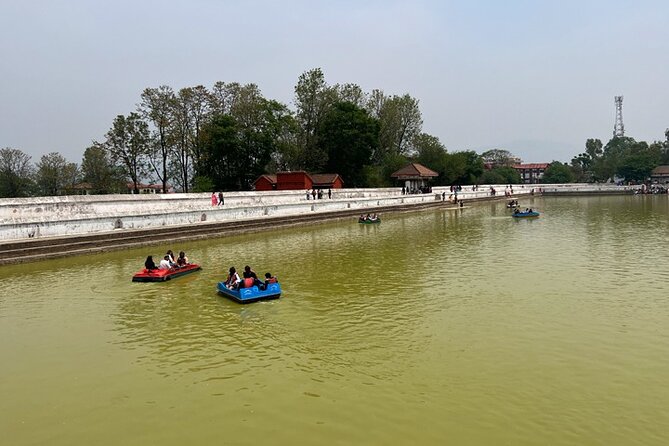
(30, 250)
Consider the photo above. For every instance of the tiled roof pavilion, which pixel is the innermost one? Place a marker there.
(414, 171)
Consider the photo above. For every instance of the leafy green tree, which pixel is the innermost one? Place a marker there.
(157, 107)
(499, 158)
(55, 175)
(431, 153)
(401, 122)
(128, 145)
(223, 153)
(313, 99)
(463, 167)
(349, 136)
(500, 175)
(99, 171)
(593, 147)
(558, 172)
(16, 173)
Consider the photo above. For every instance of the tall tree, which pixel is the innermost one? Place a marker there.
(349, 136)
(401, 121)
(16, 173)
(463, 167)
(558, 172)
(157, 107)
(499, 158)
(431, 153)
(128, 145)
(55, 174)
(98, 170)
(313, 99)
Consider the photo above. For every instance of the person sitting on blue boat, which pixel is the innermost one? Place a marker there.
(165, 263)
(149, 264)
(269, 278)
(250, 274)
(516, 211)
(530, 210)
(233, 280)
(182, 260)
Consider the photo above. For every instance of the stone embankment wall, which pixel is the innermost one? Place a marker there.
(33, 229)
(40, 217)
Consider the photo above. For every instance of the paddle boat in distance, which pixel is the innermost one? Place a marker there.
(163, 275)
(369, 221)
(251, 294)
(527, 214)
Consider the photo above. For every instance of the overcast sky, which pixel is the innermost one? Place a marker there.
(534, 77)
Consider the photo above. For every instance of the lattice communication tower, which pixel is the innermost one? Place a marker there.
(619, 127)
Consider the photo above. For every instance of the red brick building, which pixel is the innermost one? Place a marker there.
(298, 180)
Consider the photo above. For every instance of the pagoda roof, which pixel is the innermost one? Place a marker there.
(414, 170)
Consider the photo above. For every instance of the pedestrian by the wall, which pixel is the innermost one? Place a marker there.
(221, 201)
(329, 194)
(214, 200)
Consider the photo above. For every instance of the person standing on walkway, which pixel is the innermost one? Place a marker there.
(214, 200)
(221, 201)
(329, 194)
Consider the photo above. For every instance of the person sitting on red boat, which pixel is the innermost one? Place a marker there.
(165, 263)
(182, 260)
(149, 264)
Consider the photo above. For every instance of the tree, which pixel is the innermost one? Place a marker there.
(499, 158)
(463, 167)
(349, 136)
(128, 145)
(401, 121)
(558, 172)
(223, 155)
(313, 99)
(15, 173)
(98, 170)
(500, 175)
(157, 107)
(55, 174)
(431, 153)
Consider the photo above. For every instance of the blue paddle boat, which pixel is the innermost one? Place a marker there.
(252, 294)
(525, 214)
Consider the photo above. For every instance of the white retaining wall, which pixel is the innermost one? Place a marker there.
(22, 218)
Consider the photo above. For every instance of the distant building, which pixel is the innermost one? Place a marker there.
(327, 181)
(148, 188)
(531, 173)
(265, 182)
(414, 177)
(298, 180)
(660, 175)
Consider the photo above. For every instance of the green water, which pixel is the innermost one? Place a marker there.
(436, 327)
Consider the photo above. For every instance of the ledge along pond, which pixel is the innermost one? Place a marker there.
(443, 326)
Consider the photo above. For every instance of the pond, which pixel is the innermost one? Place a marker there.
(461, 326)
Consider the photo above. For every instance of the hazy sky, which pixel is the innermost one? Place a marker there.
(534, 77)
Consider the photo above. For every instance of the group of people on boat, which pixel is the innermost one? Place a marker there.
(371, 218)
(526, 211)
(249, 278)
(168, 261)
(512, 204)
